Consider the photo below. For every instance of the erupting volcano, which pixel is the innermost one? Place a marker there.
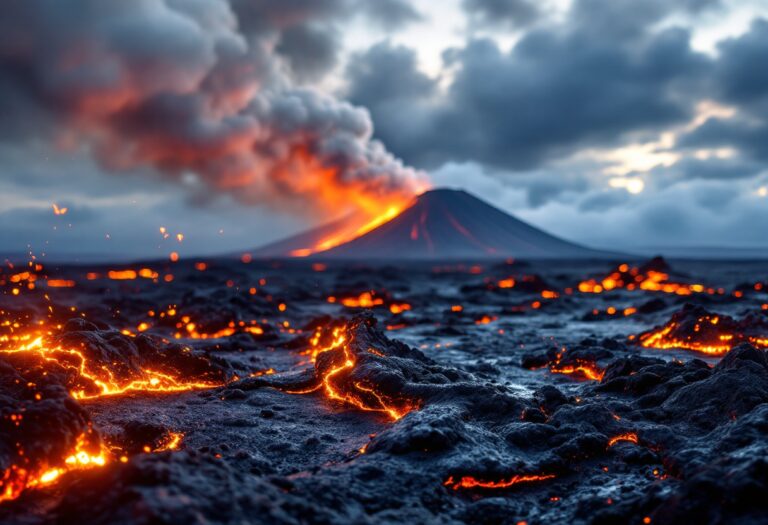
(439, 224)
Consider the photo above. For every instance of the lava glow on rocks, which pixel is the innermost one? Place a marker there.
(694, 328)
(470, 482)
(92, 381)
(583, 368)
(19, 477)
(652, 276)
(334, 364)
(629, 437)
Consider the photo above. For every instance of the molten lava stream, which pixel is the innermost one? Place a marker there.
(629, 437)
(702, 331)
(587, 370)
(336, 383)
(470, 482)
(373, 216)
(95, 381)
(18, 478)
(640, 279)
(579, 368)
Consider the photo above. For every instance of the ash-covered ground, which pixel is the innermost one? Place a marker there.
(244, 392)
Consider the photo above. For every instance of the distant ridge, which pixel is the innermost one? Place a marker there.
(442, 224)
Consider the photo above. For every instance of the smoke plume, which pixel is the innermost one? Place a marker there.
(197, 90)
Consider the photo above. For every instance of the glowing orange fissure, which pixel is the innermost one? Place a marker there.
(16, 479)
(470, 482)
(102, 379)
(171, 442)
(629, 437)
(359, 395)
(663, 340)
(586, 369)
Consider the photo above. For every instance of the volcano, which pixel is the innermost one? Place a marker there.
(439, 224)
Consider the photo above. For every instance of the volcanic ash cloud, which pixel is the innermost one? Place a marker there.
(196, 91)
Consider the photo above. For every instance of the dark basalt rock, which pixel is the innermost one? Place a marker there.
(673, 436)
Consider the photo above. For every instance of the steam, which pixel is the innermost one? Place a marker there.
(195, 90)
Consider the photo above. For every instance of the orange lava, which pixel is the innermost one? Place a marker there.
(470, 482)
(18, 478)
(635, 278)
(709, 336)
(335, 382)
(370, 300)
(579, 368)
(371, 202)
(94, 381)
(190, 330)
(348, 232)
(630, 437)
(588, 370)
(171, 442)
(364, 300)
(60, 283)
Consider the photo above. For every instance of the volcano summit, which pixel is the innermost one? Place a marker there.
(439, 224)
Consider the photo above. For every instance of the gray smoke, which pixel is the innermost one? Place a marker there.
(194, 88)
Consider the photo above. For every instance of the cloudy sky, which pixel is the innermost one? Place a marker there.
(616, 123)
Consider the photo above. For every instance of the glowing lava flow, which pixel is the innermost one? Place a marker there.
(641, 278)
(364, 300)
(469, 482)
(370, 300)
(334, 378)
(696, 329)
(584, 368)
(100, 380)
(578, 367)
(16, 479)
(348, 231)
(629, 437)
(171, 442)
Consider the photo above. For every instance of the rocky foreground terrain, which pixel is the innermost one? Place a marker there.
(237, 392)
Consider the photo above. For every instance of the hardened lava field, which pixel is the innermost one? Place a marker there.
(239, 391)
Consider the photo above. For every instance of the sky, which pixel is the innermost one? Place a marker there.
(615, 123)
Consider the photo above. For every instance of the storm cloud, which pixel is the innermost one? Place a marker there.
(509, 13)
(557, 90)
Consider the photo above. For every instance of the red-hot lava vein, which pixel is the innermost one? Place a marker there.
(695, 328)
(471, 482)
(356, 365)
(44, 433)
(95, 363)
(578, 364)
(345, 370)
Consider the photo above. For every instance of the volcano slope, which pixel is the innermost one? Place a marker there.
(309, 393)
(440, 224)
